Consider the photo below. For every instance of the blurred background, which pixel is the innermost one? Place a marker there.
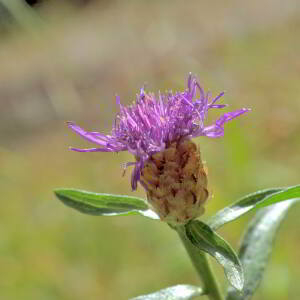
(66, 60)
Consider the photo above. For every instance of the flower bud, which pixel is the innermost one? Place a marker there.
(176, 182)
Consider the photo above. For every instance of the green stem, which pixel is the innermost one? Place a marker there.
(203, 267)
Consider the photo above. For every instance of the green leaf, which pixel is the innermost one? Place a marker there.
(240, 207)
(104, 204)
(292, 192)
(205, 239)
(177, 292)
(257, 245)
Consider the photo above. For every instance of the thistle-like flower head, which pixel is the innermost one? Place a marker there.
(153, 123)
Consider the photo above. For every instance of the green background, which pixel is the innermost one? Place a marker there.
(66, 60)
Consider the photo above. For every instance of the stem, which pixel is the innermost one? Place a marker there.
(203, 267)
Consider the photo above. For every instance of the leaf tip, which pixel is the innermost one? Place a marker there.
(58, 192)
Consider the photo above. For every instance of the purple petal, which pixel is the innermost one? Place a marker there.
(217, 105)
(92, 150)
(231, 115)
(86, 135)
(118, 100)
(213, 131)
(217, 98)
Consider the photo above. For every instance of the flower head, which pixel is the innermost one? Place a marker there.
(157, 130)
(153, 123)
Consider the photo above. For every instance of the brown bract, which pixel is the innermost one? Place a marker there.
(176, 182)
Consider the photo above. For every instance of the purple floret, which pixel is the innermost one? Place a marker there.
(152, 123)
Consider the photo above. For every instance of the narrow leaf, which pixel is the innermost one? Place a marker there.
(104, 204)
(292, 192)
(240, 207)
(257, 245)
(177, 292)
(205, 239)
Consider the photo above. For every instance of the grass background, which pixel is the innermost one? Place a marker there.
(66, 60)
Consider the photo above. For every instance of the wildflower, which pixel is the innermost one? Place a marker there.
(158, 130)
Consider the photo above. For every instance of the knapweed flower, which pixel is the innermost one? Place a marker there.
(157, 130)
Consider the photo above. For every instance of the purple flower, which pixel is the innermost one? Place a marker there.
(154, 122)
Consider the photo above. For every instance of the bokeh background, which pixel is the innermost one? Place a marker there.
(66, 60)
